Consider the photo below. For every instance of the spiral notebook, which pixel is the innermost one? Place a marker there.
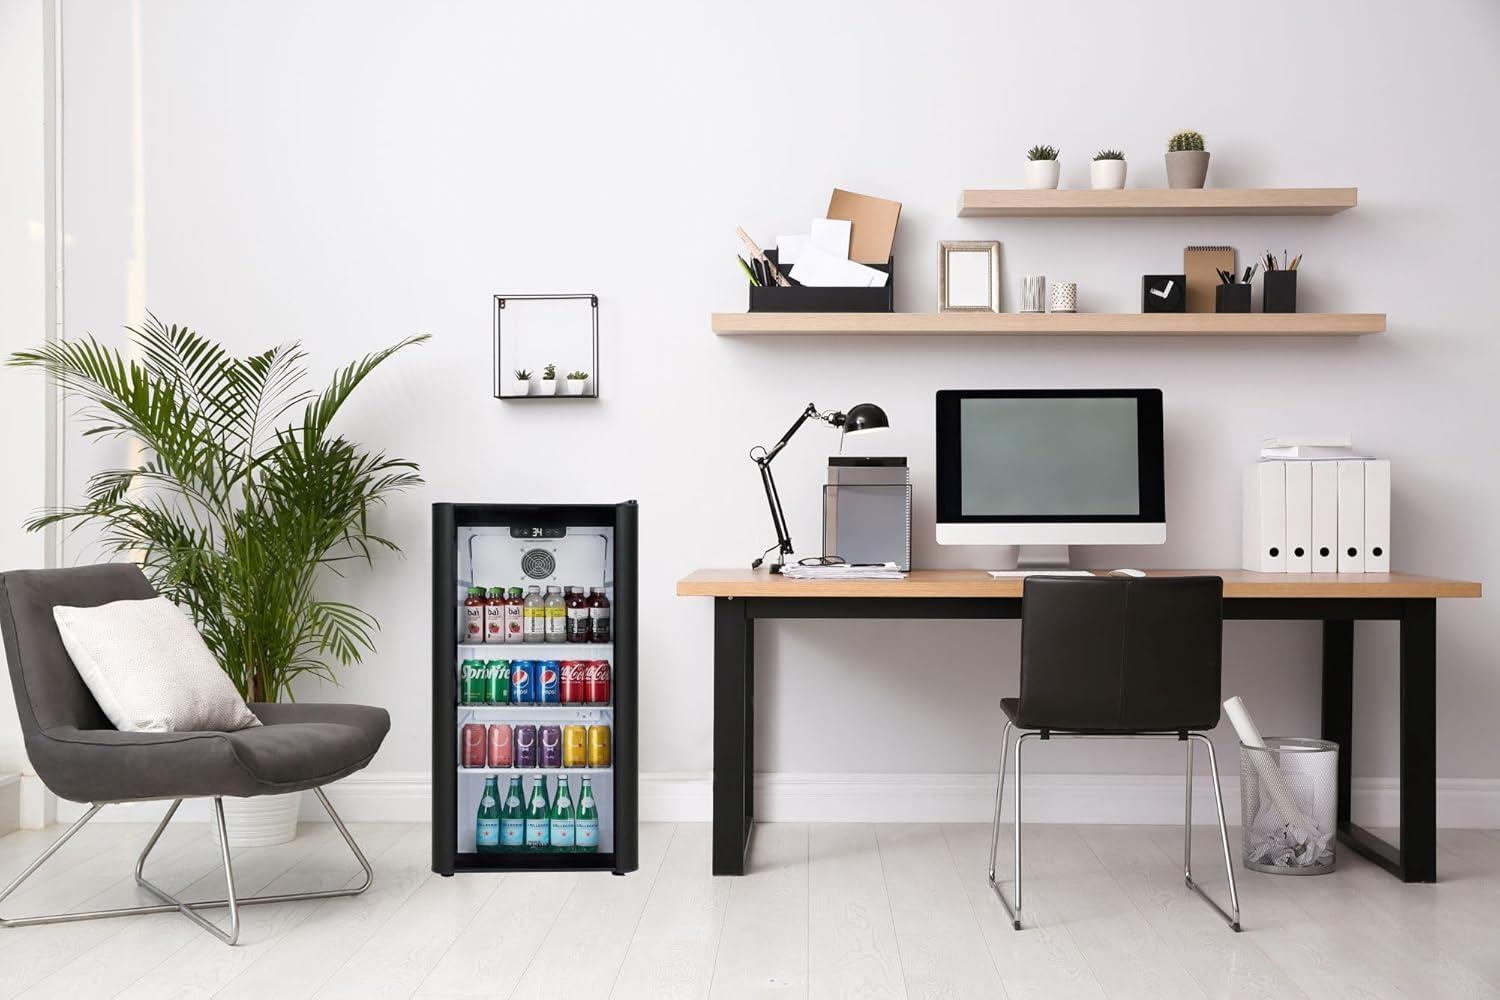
(1202, 266)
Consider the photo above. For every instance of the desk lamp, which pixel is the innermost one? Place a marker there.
(860, 419)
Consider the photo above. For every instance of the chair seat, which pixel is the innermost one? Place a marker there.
(1012, 709)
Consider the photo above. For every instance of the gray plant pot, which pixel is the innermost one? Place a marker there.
(1187, 168)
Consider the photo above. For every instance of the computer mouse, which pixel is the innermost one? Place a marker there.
(1127, 572)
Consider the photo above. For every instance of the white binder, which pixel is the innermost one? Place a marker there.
(1265, 518)
(1378, 516)
(1299, 517)
(1352, 517)
(1325, 517)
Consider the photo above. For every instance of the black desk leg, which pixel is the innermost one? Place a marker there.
(1419, 741)
(1338, 703)
(734, 722)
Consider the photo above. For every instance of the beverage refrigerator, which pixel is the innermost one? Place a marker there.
(527, 704)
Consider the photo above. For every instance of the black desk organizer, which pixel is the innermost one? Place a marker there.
(800, 298)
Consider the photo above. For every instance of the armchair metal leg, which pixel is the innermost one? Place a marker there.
(1233, 917)
(171, 903)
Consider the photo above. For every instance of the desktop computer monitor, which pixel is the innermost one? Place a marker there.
(1050, 467)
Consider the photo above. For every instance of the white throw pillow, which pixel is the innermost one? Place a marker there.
(149, 669)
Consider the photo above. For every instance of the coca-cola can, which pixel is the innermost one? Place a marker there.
(500, 748)
(574, 682)
(550, 739)
(596, 682)
(473, 745)
(523, 741)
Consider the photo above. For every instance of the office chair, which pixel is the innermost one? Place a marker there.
(1110, 658)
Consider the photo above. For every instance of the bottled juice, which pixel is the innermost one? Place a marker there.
(598, 615)
(533, 616)
(515, 616)
(494, 615)
(474, 616)
(579, 627)
(557, 615)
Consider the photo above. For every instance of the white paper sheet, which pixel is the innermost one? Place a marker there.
(789, 249)
(820, 269)
(832, 235)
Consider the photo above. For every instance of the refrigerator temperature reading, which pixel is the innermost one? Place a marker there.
(518, 531)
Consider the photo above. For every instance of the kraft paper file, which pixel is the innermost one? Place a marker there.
(1202, 266)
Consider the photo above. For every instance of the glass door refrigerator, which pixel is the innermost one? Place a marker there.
(533, 687)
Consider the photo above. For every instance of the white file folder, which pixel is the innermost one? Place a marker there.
(1265, 518)
(1299, 517)
(1325, 517)
(1352, 517)
(1378, 516)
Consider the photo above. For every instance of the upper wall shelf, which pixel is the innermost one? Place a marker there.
(1053, 324)
(1146, 201)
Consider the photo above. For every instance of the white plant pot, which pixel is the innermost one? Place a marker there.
(519, 387)
(1042, 174)
(259, 821)
(1107, 175)
(577, 386)
(546, 387)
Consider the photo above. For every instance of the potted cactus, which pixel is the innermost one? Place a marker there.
(520, 382)
(1187, 160)
(577, 382)
(1041, 167)
(548, 385)
(1107, 172)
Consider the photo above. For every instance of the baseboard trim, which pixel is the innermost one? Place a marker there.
(666, 796)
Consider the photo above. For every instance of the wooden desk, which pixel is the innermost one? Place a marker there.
(741, 597)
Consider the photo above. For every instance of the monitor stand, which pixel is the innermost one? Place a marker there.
(1038, 560)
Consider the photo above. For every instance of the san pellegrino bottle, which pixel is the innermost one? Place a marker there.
(586, 826)
(538, 828)
(513, 817)
(487, 823)
(561, 819)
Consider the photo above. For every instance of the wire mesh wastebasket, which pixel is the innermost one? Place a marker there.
(1289, 806)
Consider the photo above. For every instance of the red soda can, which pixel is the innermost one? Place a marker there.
(574, 682)
(500, 752)
(473, 744)
(596, 682)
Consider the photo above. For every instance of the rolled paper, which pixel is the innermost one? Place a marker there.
(1271, 777)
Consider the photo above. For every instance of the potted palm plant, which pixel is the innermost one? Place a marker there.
(548, 386)
(1041, 167)
(1187, 160)
(242, 498)
(1107, 172)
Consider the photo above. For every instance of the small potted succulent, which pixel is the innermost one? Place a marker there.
(577, 382)
(1187, 160)
(548, 385)
(520, 382)
(1041, 167)
(1107, 172)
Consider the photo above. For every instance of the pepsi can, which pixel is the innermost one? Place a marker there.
(522, 684)
(548, 690)
(523, 744)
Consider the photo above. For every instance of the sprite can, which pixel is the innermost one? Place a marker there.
(497, 682)
(472, 689)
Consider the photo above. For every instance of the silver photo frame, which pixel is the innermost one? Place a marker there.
(969, 276)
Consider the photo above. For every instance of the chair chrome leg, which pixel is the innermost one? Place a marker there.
(1187, 819)
(171, 903)
(999, 799)
(1233, 917)
(1012, 911)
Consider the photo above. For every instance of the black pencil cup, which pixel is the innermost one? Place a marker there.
(1232, 298)
(802, 298)
(1280, 293)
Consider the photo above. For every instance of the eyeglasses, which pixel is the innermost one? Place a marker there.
(821, 561)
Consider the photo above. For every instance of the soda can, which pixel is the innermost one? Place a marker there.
(550, 738)
(573, 682)
(500, 748)
(471, 682)
(596, 682)
(546, 682)
(523, 741)
(473, 745)
(575, 746)
(521, 682)
(599, 749)
(497, 682)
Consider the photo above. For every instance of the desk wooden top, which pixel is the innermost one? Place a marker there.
(978, 583)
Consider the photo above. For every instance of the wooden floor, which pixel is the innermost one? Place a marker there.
(830, 911)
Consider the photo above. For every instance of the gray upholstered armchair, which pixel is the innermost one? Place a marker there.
(80, 756)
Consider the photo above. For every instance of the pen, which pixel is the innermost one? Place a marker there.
(748, 273)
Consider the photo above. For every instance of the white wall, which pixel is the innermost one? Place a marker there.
(348, 173)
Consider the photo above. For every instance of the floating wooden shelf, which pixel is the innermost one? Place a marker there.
(1053, 324)
(1146, 201)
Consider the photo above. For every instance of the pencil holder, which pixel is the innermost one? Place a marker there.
(1232, 298)
(1033, 293)
(1280, 292)
(1065, 297)
(805, 298)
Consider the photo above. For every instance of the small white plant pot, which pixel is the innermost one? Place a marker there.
(259, 821)
(546, 387)
(519, 387)
(1042, 174)
(578, 386)
(1107, 175)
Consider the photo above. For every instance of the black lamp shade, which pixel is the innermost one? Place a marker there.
(865, 417)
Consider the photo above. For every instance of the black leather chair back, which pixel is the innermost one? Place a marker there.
(1115, 654)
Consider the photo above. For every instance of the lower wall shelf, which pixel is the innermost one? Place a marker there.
(1051, 324)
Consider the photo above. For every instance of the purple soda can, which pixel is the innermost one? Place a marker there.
(550, 738)
(524, 741)
(547, 676)
(522, 682)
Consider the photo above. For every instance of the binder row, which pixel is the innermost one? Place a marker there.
(1318, 517)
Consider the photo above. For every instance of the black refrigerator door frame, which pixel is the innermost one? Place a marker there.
(447, 518)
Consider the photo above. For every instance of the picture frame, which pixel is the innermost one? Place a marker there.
(969, 276)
